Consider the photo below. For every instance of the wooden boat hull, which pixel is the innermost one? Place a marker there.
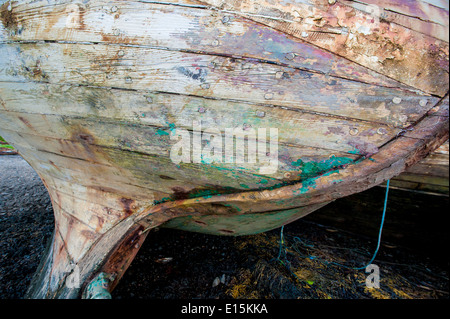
(97, 95)
(431, 175)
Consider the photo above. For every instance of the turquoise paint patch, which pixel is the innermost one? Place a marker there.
(310, 169)
(162, 200)
(310, 183)
(161, 132)
(355, 151)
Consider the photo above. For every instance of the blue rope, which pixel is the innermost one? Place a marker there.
(335, 263)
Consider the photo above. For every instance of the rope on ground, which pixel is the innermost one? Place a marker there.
(282, 254)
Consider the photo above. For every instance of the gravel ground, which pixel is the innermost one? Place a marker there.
(179, 265)
(26, 223)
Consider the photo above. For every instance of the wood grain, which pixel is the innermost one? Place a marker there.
(209, 77)
(357, 35)
(90, 92)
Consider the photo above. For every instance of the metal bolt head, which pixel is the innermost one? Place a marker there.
(353, 131)
(290, 56)
(403, 118)
(397, 100)
(381, 131)
(226, 19)
(268, 96)
(260, 113)
(423, 102)
(279, 74)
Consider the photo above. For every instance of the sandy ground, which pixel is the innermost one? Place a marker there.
(413, 260)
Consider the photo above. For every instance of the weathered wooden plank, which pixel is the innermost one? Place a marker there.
(76, 235)
(224, 175)
(130, 184)
(94, 216)
(188, 27)
(184, 182)
(424, 179)
(209, 77)
(436, 158)
(388, 48)
(429, 175)
(158, 109)
(394, 158)
(242, 224)
(419, 186)
(115, 203)
(301, 129)
(430, 169)
(415, 15)
(443, 149)
(164, 113)
(140, 173)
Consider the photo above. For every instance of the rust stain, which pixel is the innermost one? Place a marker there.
(166, 177)
(85, 139)
(53, 164)
(8, 17)
(179, 193)
(63, 245)
(226, 231)
(2, 103)
(117, 37)
(90, 235)
(103, 189)
(127, 205)
(123, 254)
(101, 221)
(27, 123)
